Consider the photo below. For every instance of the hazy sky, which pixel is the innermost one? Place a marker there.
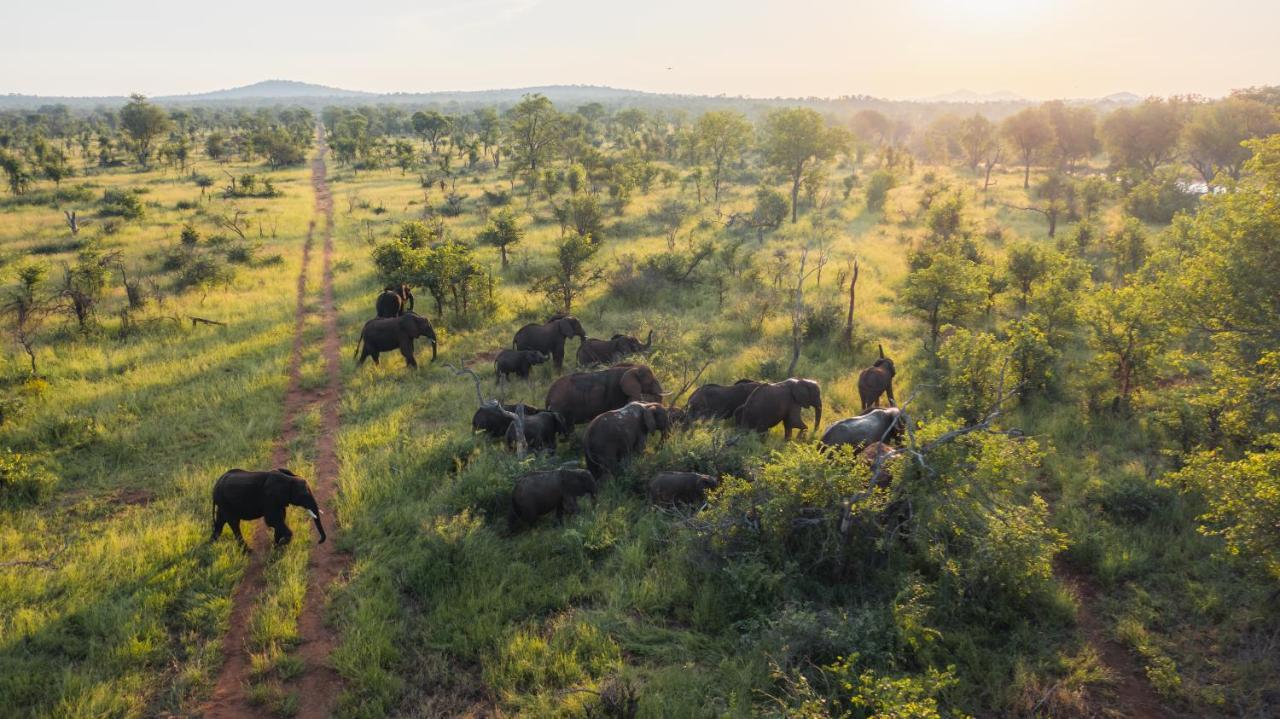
(887, 48)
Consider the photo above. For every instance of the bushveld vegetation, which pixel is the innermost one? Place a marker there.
(1082, 308)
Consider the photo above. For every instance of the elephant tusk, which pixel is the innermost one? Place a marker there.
(313, 514)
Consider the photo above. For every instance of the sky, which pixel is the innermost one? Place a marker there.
(897, 49)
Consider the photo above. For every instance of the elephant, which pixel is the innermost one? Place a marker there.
(539, 431)
(875, 381)
(394, 301)
(517, 362)
(672, 488)
(594, 351)
(782, 401)
(582, 396)
(493, 418)
(882, 424)
(556, 490)
(239, 495)
(549, 337)
(387, 333)
(617, 434)
(714, 401)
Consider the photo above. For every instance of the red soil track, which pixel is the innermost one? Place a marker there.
(319, 684)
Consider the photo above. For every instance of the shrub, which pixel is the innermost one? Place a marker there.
(23, 479)
(878, 187)
(822, 322)
(1159, 197)
(120, 203)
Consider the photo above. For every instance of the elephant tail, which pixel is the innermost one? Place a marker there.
(513, 517)
(359, 340)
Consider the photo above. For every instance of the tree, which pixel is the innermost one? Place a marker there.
(143, 123)
(25, 310)
(1025, 264)
(1128, 331)
(1075, 135)
(432, 126)
(971, 367)
(1030, 134)
(724, 136)
(502, 232)
(977, 138)
(1128, 246)
(946, 291)
(572, 273)
(1243, 498)
(215, 146)
(1213, 139)
(534, 130)
(16, 171)
(1143, 137)
(793, 139)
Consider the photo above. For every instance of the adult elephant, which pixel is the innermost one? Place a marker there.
(388, 333)
(875, 381)
(394, 301)
(782, 401)
(620, 433)
(716, 401)
(582, 396)
(556, 490)
(593, 351)
(882, 424)
(549, 337)
(239, 495)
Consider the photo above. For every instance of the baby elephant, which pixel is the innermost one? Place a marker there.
(556, 490)
(517, 362)
(493, 418)
(239, 495)
(539, 431)
(672, 488)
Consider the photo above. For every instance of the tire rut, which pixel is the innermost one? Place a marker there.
(319, 684)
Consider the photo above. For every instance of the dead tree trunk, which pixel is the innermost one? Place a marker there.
(848, 323)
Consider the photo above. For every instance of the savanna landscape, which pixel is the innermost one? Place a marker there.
(1011, 445)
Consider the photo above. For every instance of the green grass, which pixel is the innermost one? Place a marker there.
(444, 611)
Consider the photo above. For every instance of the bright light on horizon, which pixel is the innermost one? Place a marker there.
(919, 48)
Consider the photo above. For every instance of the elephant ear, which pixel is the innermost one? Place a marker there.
(277, 488)
(566, 326)
(804, 392)
(408, 326)
(630, 384)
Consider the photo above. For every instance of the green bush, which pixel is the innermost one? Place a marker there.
(1159, 197)
(23, 480)
(120, 203)
(878, 187)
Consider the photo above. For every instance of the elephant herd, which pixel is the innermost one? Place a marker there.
(620, 403)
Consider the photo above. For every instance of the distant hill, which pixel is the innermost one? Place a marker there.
(268, 90)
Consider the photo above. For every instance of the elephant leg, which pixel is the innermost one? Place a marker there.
(275, 519)
(235, 529)
(371, 355)
(219, 520)
(793, 421)
(406, 349)
(557, 354)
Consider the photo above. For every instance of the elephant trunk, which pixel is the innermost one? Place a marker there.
(648, 341)
(817, 418)
(433, 349)
(314, 510)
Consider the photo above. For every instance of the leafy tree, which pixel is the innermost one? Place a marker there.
(432, 126)
(1075, 135)
(1214, 136)
(1032, 354)
(16, 171)
(503, 232)
(1143, 137)
(1128, 331)
(977, 138)
(723, 135)
(878, 187)
(1243, 498)
(572, 274)
(971, 366)
(143, 123)
(1025, 263)
(26, 310)
(669, 216)
(1160, 196)
(534, 130)
(769, 211)
(1128, 247)
(215, 146)
(948, 290)
(84, 282)
(792, 139)
(1030, 133)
